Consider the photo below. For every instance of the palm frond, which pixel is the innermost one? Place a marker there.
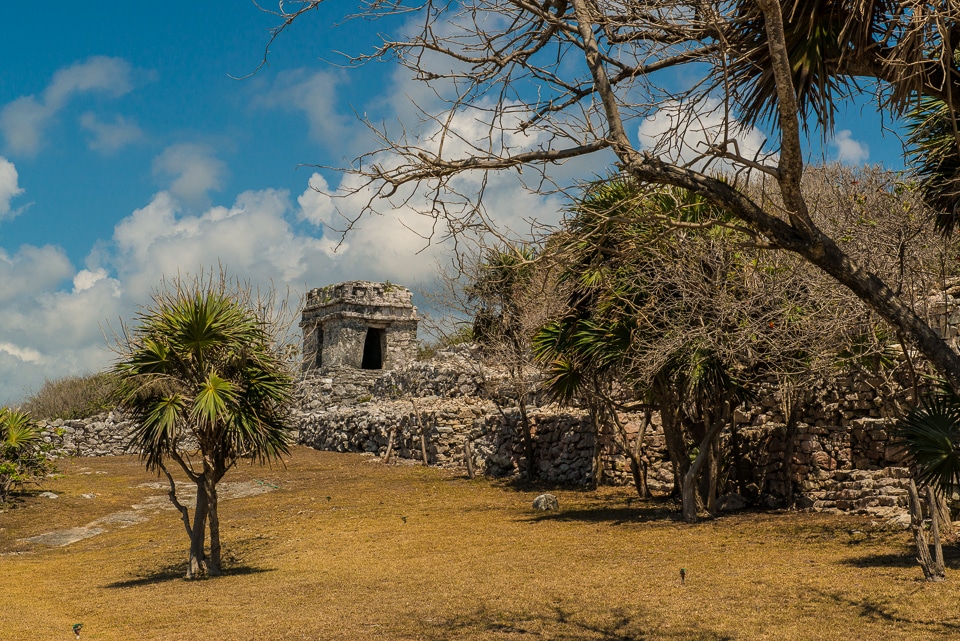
(930, 438)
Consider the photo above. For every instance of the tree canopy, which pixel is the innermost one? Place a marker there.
(565, 79)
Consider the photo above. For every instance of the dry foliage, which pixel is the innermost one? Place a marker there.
(526, 86)
(347, 548)
(72, 397)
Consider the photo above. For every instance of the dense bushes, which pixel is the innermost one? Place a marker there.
(72, 397)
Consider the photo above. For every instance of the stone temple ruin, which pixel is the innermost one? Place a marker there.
(359, 325)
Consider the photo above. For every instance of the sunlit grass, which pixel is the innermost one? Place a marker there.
(347, 548)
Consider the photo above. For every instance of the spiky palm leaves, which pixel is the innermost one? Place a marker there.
(829, 43)
(930, 437)
(201, 372)
(21, 460)
(633, 329)
(934, 148)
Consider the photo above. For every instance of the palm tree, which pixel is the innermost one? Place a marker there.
(930, 437)
(21, 458)
(630, 336)
(206, 382)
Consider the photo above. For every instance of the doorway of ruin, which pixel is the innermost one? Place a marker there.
(373, 347)
(319, 347)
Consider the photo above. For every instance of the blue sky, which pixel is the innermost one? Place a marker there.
(129, 151)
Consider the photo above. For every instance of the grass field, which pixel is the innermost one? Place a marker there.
(342, 547)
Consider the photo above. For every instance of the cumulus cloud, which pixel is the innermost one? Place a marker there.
(108, 137)
(194, 170)
(49, 330)
(23, 120)
(848, 150)
(316, 203)
(315, 95)
(683, 133)
(9, 188)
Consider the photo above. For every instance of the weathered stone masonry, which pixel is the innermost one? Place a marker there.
(359, 324)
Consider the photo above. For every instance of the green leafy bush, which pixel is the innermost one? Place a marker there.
(23, 454)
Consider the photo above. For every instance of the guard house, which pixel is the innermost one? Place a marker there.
(359, 324)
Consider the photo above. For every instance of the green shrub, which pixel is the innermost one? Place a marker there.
(72, 397)
(23, 454)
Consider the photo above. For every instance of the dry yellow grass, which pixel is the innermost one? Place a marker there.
(347, 548)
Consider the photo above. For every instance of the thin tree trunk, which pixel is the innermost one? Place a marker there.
(213, 563)
(933, 506)
(689, 488)
(707, 484)
(386, 456)
(944, 518)
(931, 571)
(197, 562)
(468, 457)
(676, 446)
(184, 514)
(526, 435)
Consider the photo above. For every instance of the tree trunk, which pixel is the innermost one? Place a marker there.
(197, 565)
(789, 439)
(932, 570)
(708, 477)
(676, 446)
(213, 563)
(689, 488)
(526, 435)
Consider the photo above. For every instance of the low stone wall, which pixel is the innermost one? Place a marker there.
(103, 435)
(843, 455)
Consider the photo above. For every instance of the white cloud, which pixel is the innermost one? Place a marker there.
(314, 94)
(848, 150)
(195, 172)
(23, 120)
(54, 313)
(683, 133)
(110, 136)
(9, 188)
(25, 354)
(97, 73)
(316, 204)
(31, 269)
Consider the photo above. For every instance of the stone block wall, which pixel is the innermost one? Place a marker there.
(843, 455)
(104, 435)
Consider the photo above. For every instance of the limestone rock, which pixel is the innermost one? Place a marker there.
(546, 503)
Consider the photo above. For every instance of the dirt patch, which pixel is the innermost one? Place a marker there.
(65, 537)
(186, 494)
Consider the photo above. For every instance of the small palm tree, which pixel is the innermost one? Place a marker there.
(206, 382)
(21, 457)
(930, 437)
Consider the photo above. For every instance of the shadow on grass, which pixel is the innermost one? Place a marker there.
(877, 609)
(617, 625)
(907, 559)
(177, 573)
(611, 515)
